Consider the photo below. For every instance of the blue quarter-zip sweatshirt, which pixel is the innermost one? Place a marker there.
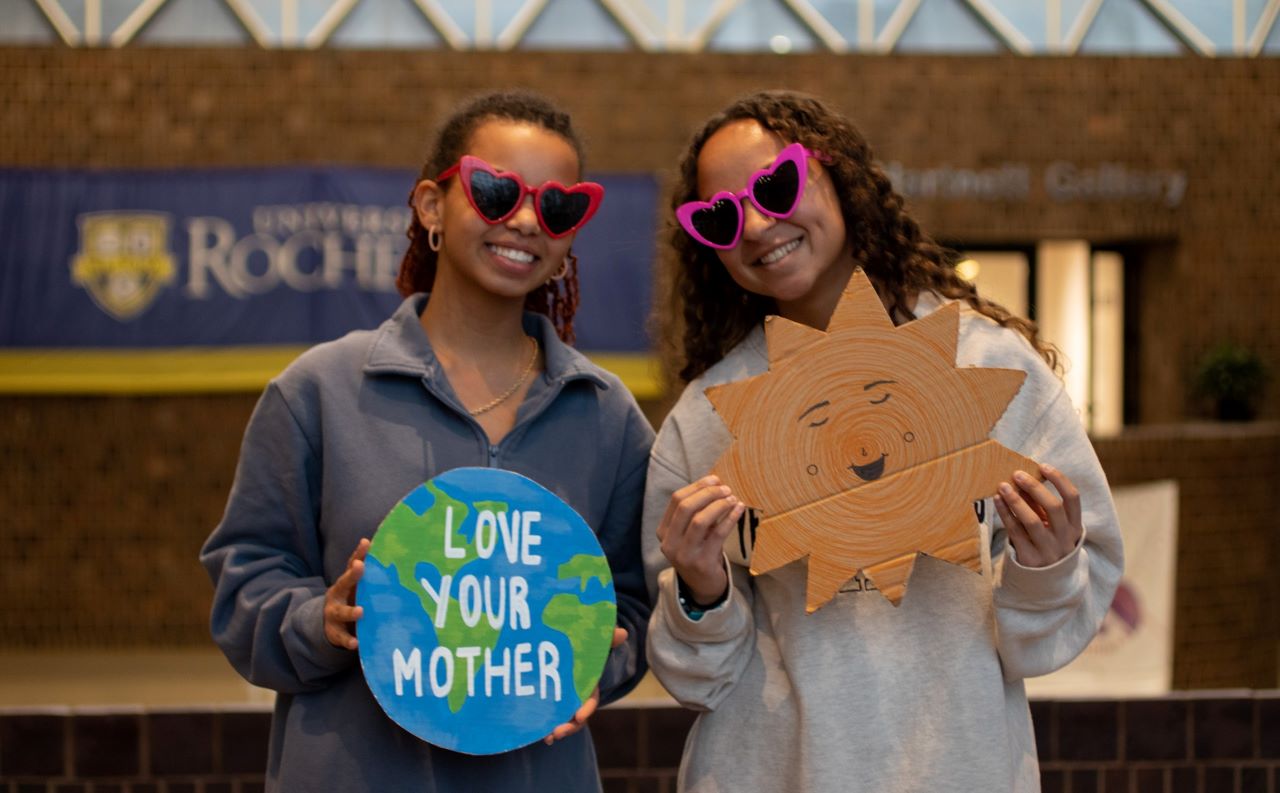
(337, 439)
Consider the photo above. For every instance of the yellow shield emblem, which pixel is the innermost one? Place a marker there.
(124, 260)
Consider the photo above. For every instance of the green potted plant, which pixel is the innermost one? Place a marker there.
(1232, 376)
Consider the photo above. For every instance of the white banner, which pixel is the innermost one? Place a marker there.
(1133, 653)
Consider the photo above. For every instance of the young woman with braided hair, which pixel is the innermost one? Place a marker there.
(473, 369)
(779, 201)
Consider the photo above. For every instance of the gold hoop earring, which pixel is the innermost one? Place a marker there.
(564, 267)
(433, 239)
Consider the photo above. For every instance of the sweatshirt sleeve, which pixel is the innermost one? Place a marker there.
(697, 661)
(619, 536)
(1046, 616)
(265, 559)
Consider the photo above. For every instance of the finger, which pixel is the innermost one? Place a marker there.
(694, 510)
(619, 637)
(1067, 489)
(578, 721)
(339, 636)
(588, 708)
(1051, 531)
(1050, 503)
(361, 551)
(683, 504)
(1023, 512)
(344, 588)
(680, 495)
(726, 525)
(343, 613)
(563, 731)
(686, 532)
(704, 524)
(1017, 534)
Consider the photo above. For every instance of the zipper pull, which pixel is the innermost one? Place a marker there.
(493, 456)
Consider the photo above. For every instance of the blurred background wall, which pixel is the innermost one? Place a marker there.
(106, 498)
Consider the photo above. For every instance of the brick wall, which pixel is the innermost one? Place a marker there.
(1214, 277)
(1186, 744)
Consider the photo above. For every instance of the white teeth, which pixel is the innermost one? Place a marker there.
(511, 253)
(777, 253)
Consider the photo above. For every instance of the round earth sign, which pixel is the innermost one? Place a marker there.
(488, 611)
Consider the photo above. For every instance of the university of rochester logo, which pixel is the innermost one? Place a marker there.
(124, 260)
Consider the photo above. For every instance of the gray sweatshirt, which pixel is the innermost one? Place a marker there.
(861, 695)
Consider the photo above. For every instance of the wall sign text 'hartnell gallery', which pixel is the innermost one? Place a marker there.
(1061, 180)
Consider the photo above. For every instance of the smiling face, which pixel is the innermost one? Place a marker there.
(858, 429)
(801, 261)
(511, 258)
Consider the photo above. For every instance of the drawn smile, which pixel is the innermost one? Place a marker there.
(871, 471)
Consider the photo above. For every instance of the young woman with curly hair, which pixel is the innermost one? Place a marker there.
(779, 202)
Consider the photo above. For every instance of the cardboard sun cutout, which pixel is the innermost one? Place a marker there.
(865, 445)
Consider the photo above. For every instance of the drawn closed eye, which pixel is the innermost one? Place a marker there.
(877, 383)
(818, 406)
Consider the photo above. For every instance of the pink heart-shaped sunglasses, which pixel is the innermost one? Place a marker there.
(775, 191)
(495, 196)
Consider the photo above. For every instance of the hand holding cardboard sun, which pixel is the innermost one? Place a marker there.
(865, 445)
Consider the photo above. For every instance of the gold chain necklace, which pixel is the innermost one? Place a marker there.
(514, 386)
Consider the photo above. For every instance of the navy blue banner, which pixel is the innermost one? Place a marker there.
(264, 256)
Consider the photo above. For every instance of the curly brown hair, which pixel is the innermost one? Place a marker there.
(557, 299)
(711, 313)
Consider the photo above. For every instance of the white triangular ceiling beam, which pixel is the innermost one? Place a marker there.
(252, 22)
(819, 24)
(57, 16)
(638, 21)
(1080, 28)
(1181, 27)
(698, 39)
(525, 16)
(324, 28)
(896, 25)
(866, 25)
(1265, 23)
(139, 17)
(442, 22)
(1005, 30)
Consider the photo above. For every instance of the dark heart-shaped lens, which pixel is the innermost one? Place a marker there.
(494, 196)
(561, 210)
(718, 223)
(776, 192)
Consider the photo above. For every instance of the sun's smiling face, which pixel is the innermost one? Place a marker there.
(867, 425)
(858, 426)
(853, 405)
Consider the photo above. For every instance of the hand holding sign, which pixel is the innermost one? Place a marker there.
(340, 613)
(588, 708)
(1043, 527)
(488, 610)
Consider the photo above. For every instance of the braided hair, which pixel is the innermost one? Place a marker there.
(557, 299)
(711, 313)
